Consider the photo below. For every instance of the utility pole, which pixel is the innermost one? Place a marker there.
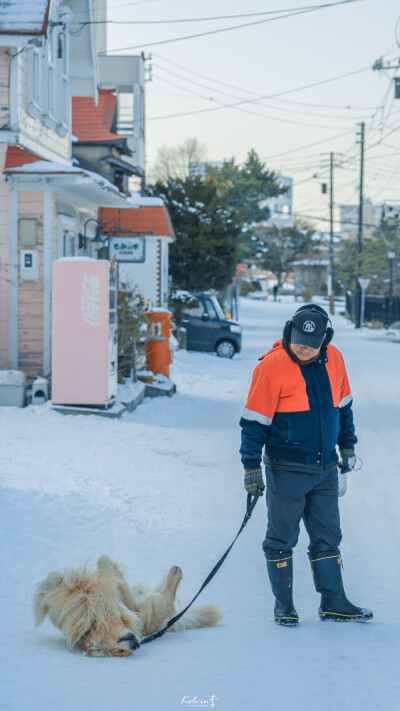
(331, 249)
(360, 230)
(332, 279)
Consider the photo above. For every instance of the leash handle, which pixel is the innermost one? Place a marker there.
(250, 505)
(251, 502)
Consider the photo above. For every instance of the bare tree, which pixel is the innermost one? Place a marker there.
(174, 162)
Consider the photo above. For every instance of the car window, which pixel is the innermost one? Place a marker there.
(220, 313)
(209, 308)
(196, 310)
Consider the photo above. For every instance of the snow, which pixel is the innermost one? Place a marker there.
(137, 200)
(53, 168)
(164, 486)
(22, 16)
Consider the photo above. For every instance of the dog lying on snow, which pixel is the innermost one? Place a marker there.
(101, 614)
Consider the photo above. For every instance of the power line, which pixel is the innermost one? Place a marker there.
(267, 96)
(207, 19)
(272, 108)
(254, 93)
(235, 27)
(248, 111)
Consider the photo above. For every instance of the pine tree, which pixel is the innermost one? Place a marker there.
(247, 188)
(205, 253)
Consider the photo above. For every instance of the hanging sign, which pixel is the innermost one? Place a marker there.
(127, 248)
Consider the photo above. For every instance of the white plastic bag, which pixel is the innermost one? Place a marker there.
(342, 483)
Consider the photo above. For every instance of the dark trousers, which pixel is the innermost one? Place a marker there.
(308, 492)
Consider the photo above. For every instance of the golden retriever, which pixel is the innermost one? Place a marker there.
(98, 611)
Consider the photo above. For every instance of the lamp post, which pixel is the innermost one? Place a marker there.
(391, 257)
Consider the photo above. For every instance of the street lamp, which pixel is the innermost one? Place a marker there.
(98, 241)
(391, 257)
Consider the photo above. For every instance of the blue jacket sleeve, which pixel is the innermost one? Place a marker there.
(347, 438)
(253, 440)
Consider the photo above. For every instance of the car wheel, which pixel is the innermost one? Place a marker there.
(225, 349)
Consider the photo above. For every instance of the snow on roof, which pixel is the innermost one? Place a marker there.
(24, 16)
(46, 167)
(100, 190)
(137, 200)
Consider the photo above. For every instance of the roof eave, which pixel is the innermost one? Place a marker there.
(30, 33)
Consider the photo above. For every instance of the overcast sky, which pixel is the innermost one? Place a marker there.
(266, 59)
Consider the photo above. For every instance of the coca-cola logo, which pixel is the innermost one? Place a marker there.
(90, 301)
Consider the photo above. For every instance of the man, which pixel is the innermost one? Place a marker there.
(300, 407)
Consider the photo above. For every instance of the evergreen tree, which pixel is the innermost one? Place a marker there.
(247, 188)
(374, 261)
(205, 253)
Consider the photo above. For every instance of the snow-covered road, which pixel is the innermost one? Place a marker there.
(163, 486)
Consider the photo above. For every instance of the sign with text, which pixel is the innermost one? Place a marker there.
(128, 248)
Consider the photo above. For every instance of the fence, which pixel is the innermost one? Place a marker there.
(377, 308)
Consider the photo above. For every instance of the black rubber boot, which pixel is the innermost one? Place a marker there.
(280, 571)
(327, 573)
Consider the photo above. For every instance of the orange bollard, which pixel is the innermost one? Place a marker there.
(158, 352)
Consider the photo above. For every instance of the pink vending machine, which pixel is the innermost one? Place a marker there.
(84, 332)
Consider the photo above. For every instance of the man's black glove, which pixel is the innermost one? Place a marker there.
(253, 481)
(349, 459)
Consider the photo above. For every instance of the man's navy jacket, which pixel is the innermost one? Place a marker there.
(299, 412)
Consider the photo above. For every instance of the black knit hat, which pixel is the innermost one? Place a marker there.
(309, 327)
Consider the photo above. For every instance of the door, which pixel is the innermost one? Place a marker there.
(196, 321)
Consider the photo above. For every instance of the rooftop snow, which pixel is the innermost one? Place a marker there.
(24, 16)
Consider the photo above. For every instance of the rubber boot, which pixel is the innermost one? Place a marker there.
(327, 574)
(280, 571)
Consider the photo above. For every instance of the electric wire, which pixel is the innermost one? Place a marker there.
(249, 111)
(267, 96)
(269, 106)
(235, 27)
(209, 19)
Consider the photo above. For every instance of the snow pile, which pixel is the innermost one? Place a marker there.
(164, 486)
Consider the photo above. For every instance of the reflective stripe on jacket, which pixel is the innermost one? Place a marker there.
(300, 413)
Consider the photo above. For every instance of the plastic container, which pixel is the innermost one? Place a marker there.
(12, 388)
(40, 391)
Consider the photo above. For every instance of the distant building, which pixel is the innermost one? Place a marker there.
(202, 168)
(311, 271)
(281, 206)
(372, 216)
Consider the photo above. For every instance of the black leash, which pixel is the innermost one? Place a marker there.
(251, 502)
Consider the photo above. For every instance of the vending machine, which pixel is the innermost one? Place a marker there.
(84, 332)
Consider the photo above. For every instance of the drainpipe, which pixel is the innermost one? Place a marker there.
(13, 276)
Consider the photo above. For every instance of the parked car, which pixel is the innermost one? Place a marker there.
(208, 329)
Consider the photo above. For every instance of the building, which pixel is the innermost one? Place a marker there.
(311, 272)
(202, 168)
(372, 216)
(281, 207)
(49, 201)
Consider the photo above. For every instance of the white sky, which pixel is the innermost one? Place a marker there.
(265, 59)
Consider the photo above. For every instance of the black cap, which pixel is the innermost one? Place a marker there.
(308, 328)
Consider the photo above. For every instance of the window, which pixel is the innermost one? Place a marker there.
(69, 244)
(27, 230)
(196, 311)
(125, 113)
(35, 70)
(48, 78)
(210, 309)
